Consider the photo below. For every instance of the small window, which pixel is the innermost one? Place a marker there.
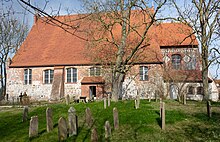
(95, 71)
(200, 90)
(190, 90)
(71, 75)
(143, 73)
(176, 60)
(27, 76)
(191, 65)
(48, 76)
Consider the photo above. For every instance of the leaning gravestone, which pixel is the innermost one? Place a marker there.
(104, 103)
(62, 129)
(107, 129)
(49, 118)
(72, 119)
(25, 114)
(115, 117)
(163, 116)
(109, 100)
(89, 119)
(33, 128)
(67, 99)
(94, 135)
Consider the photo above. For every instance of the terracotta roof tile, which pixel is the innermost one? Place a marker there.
(49, 45)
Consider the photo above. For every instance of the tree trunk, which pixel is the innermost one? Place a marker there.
(117, 87)
(205, 73)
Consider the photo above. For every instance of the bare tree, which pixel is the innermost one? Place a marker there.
(109, 15)
(12, 34)
(203, 16)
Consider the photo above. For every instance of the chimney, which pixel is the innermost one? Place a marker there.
(36, 16)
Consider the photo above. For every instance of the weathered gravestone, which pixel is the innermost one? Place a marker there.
(137, 102)
(161, 104)
(107, 129)
(109, 100)
(25, 114)
(62, 129)
(104, 103)
(49, 118)
(209, 112)
(72, 119)
(89, 119)
(67, 99)
(163, 116)
(115, 117)
(33, 128)
(94, 135)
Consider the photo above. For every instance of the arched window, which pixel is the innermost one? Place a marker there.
(176, 60)
(190, 90)
(48, 76)
(27, 76)
(95, 71)
(143, 73)
(71, 75)
(200, 90)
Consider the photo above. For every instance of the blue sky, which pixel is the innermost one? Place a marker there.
(72, 6)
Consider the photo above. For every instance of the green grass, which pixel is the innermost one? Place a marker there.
(183, 122)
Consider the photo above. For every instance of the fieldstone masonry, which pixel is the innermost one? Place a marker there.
(62, 129)
(72, 119)
(49, 118)
(33, 129)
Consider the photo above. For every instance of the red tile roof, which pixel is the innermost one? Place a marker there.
(49, 45)
(93, 80)
(174, 34)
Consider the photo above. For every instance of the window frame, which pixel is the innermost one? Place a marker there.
(201, 92)
(72, 78)
(27, 76)
(191, 92)
(50, 76)
(176, 61)
(96, 71)
(143, 73)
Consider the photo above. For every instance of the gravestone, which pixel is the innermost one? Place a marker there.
(49, 118)
(62, 129)
(109, 100)
(94, 135)
(107, 129)
(163, 116)
(67, 99)
(33, 128)
(161, 104)
(104, 103)
(115, 117)
(25, 114)
(72, 119)
(209, 109)
(138, 101)
(89, 119)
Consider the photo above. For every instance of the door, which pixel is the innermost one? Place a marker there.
(173, 91)
(92, 91)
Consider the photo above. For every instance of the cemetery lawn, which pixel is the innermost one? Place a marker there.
(183, 122)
